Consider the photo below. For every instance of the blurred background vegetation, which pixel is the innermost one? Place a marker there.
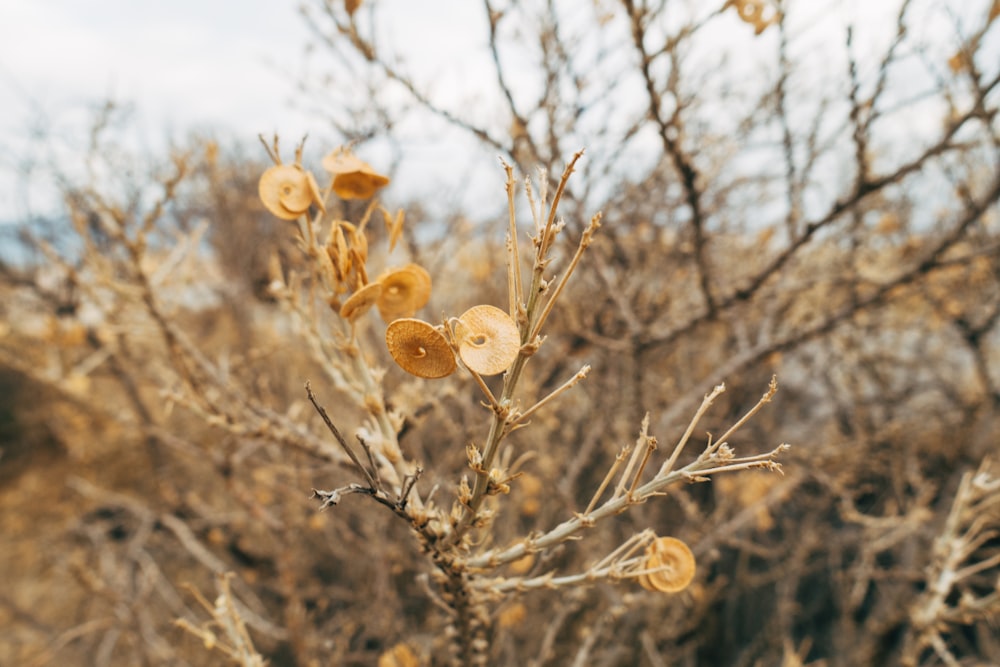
(785, 190)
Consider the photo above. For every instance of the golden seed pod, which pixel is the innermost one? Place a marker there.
(404, 291)
(419, 348)
(353, 178)
(351, 6)
(361, 301)
(488, 339)
(359, 241)
(338, 250)
(288, 190)
(522, 565)
(673, 563)
(399, 655)
(512, 615)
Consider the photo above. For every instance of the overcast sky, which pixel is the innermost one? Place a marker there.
(225, 65)
(182, 63)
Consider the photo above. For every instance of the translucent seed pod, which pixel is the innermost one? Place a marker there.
(353, 178)
(399, 655)
(286, 191)
(361, 301)
(404, 291)
(359, 242)
(337, 249)
(488, 339)
(420, 349)
(672, 563)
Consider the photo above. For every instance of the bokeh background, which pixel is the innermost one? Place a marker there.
(791, 188)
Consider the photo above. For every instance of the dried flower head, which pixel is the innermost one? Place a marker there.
(353, 178)
(419, 348)
(288, 191)
(672, 563)
(404, 291)
(488, 339)
(361, 301)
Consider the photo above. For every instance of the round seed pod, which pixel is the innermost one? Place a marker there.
(488, 339)
(352, 178)
(404, 292)
(286, 190)
(399, 655)
(674, 564)
(361, 301)
(419, 348)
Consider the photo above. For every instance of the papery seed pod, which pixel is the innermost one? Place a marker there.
(488, 339)
(361, 301)
(399, 655)
(419, 348)
(673, 565)
(512, 615)
(522, 565)
(404, 291)
(337, 249)
(353, 178)
(359, 242)
(360, 272)
(287, 191)
(351, 6)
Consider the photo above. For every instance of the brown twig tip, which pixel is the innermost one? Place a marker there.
(370, 475)
(271, 149)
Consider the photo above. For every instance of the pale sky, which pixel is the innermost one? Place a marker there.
(225, 65)
(229, 66)
(182, 63)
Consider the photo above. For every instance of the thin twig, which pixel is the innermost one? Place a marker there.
(340, 439)
(565, 386)
(619, 457)
(705, 404)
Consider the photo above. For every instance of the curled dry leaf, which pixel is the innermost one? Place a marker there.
(353, 178)
(361, 301)
(673, 563)
(488, 339)
(419, 348)
(404, 291)
(288, 191)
